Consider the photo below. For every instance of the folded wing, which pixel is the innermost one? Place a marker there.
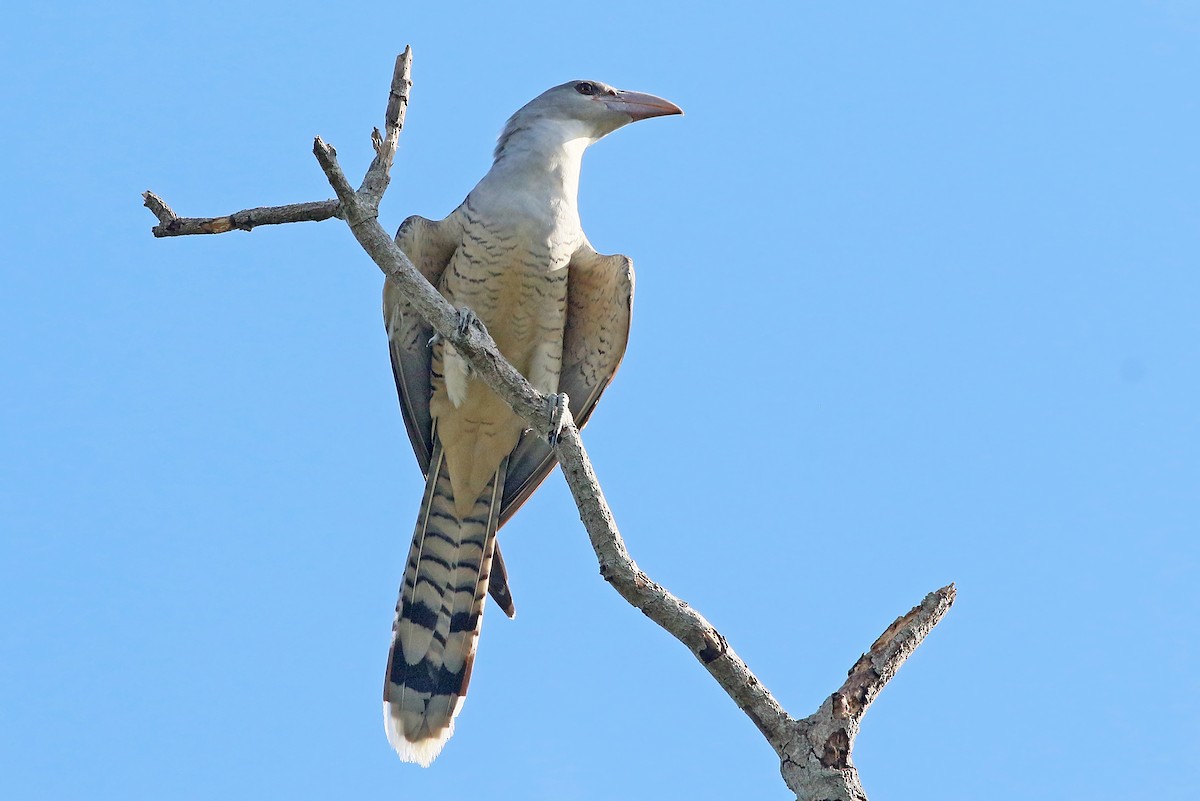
(599, 309)
(429, 245)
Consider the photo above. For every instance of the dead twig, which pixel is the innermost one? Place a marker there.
(171, 224)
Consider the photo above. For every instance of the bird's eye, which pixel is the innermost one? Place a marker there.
(585, 88)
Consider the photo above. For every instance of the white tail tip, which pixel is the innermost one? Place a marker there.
(422, 752)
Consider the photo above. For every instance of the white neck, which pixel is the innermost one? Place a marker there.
(541, 156)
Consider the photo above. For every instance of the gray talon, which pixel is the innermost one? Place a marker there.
(466, 319)
(558, 407)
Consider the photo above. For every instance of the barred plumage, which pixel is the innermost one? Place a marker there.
(515, 254)
(439, 615)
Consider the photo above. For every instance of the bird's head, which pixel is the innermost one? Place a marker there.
(587, 110)
(600, 106)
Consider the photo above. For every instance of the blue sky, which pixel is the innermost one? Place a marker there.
(917, 303)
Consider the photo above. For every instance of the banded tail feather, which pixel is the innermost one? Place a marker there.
(439, 615)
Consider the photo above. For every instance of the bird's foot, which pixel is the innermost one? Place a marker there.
(466, 320)
(559, 404)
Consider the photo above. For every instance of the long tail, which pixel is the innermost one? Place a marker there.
(439, 615)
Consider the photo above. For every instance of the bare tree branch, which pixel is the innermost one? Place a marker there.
(171, 224)
(657, 603)
(815, 759)
(815, 752)
(379, 174)
(374, 184)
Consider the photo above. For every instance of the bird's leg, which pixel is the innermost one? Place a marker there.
(466, 320)
(558, 406)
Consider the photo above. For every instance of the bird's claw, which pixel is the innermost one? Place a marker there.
(558, 407)
(466, 320)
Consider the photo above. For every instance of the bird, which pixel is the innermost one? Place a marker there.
(512, 256)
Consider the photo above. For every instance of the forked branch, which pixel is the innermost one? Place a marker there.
(814, 751)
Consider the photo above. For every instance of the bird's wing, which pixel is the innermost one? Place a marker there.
(429, 245)
(599, 308)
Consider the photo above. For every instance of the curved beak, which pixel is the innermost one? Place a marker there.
(640, 106)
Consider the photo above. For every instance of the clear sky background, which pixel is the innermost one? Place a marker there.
(917, 303)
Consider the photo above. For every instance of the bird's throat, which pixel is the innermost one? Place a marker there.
(541, 158)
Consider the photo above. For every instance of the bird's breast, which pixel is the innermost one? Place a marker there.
(516, 283)
(510, 269)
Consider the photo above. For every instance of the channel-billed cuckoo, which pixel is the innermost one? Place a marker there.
(515, 256)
